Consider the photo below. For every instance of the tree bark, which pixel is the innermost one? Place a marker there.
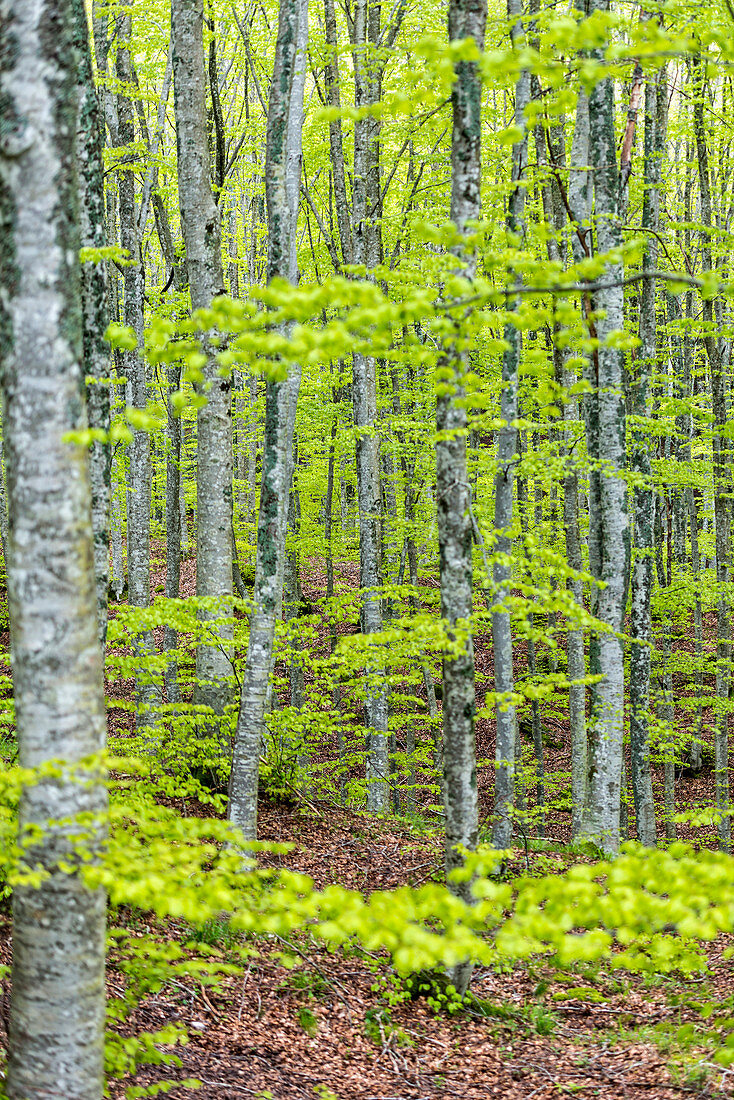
(722, 483)
(202, 236)
(364, 398)
(173, 527)
(285, 112)
(331, 81)
(504, 683)
(608, 519)
(644, 497)
(134, 369)
(57, 1003)
(90, 141)
(467, 19)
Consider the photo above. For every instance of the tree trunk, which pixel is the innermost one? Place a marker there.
(173, 527)
(90, 167)
(331, 81)
(608, 519)
(722, 483)
(57, 1005)
(364, 398)
(504, 680)
(202, 237)
(644, 505)
(285, 117)
(134, 369)
(467, 19)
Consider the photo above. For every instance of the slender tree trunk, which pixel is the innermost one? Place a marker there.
(285, 114)
(3, 508)
(608, 521)
(90, 167)
(504, 681)
(185, 541)
(578, 198)
(252, 450)
(134, 369)
(117, 582)
(536, 725)
(331, 81)
(722, 483)
(57, 1002)
(642, 568)
(202, 236)
(696, 748)
(173, 527)
(467, 19)
(364, 397)
(292, 594)
(666, 713)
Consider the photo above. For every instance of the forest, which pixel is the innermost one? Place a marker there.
(366, 596)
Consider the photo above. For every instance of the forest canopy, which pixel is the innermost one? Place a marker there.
(366, 459)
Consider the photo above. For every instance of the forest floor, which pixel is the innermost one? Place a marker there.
(324, 1030)
(330, 1030)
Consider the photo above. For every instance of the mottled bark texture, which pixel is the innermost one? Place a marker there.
(57, 1004)
(134, 369)
(579, 210)
(504, 772)
(336, 143)
(173, 527)
(644, 498)
(285, 120)
(606, 448)
(90, 170)
(202, 237)
(364, 400)
(722, 479)
(3, 508)
(467, 19)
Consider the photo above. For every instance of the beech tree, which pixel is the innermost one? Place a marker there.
(200, 219)
(466, 20)
(57, 1006)
(282, 178)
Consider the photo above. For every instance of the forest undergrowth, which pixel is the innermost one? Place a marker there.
(292, 1018)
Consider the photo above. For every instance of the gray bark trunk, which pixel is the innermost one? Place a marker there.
(507, 445)
(173, 527)
(134, 369)
(579, 202)
(3, 508)
(284, 114)
(722, 486)
(644, 499)
(202, 236)
(467, 19)
(331, 81)
(57, 1003)
(608, 520)
(364, 398)
(90, 167)
(117, 582)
